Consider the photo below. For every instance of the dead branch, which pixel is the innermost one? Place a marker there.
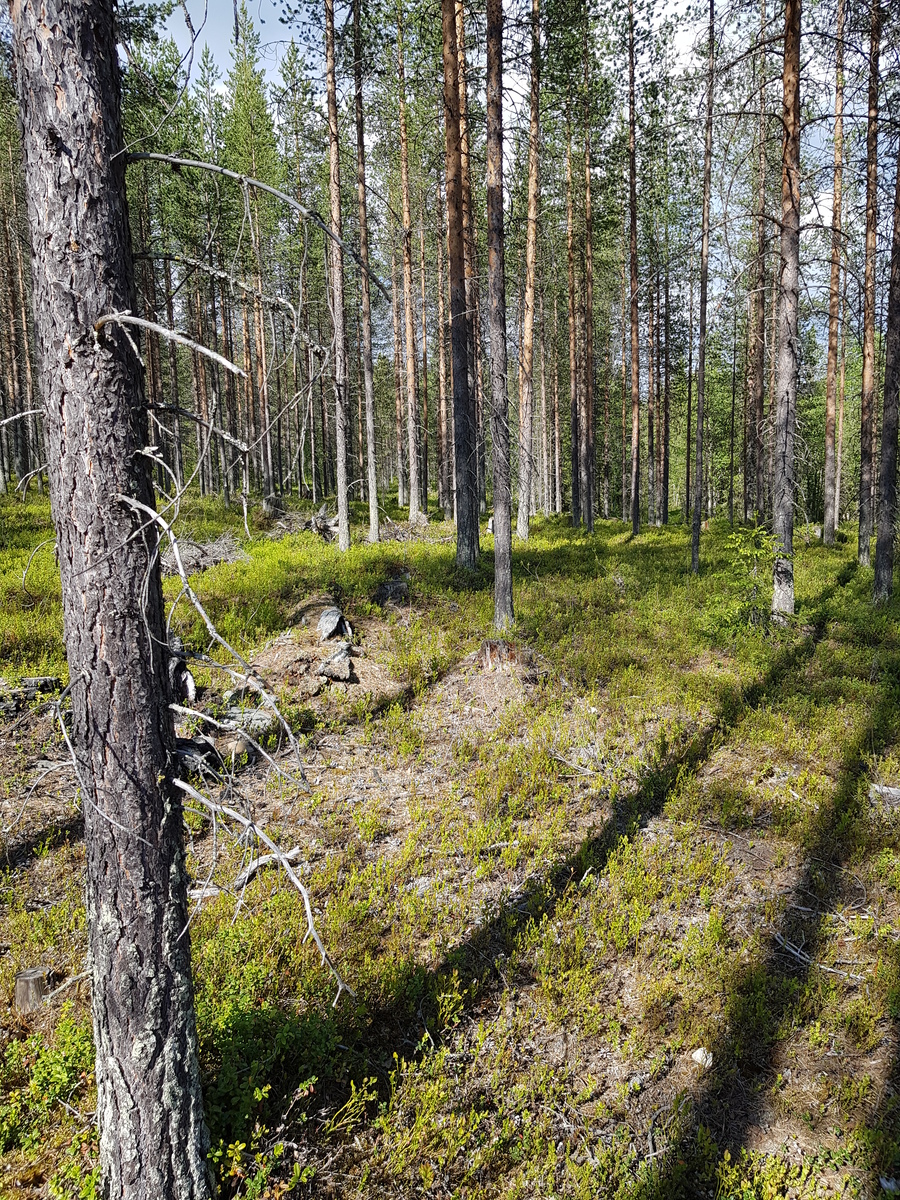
(283, 861)
(127, 318)
(245, 181)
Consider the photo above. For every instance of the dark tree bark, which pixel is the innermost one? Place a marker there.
(635, 332)
(887, 482)
(503, 592)
(867, 398)
(526, 415)
(834, 296)
(757, 373)
(368, 373)
(412, 432)
(788, 318)
(444, 441)
(465, 449)
(588, 457)
(337, 289)
(575, 423)
(153, 1140)
(697, 515)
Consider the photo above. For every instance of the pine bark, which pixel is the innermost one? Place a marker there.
(788, 318)
(834, 296)
(365, 298)
(337, 288)
(867, 399)
(526, 415)
(465, 449)
(697, 515)
(635, 330)
(443, 439)
(503, 592)
(409, 317)
(153, 1140)
(574, 415)
(887, 480)
(588, 457)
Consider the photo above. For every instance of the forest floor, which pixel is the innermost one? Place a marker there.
(620, 905)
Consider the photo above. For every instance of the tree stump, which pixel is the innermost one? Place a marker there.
(31, 986)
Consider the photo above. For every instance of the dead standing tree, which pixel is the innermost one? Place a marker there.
(153, 1138)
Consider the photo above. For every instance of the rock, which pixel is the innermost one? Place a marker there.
(392, 591)
(199, 754)
(240, 695)
(891, 1186)
(233, 746)
(421, 519)
(338, 665)
(333, 623)
(702, 1058)
(31, 987)
(255, 721)
(889, 796)
(40, 683)
(310, 686)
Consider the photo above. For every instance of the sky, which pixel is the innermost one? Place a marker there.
(213, 23)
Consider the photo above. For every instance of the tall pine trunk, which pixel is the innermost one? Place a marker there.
(366, 299)
(834, 296)
(336, 253)
(635, 331)
(153, 1139)
(867, 398)
(409, 318)
(887, 480)
(788, 318)
(697, 515)
(503, 593)
(526, 416)
(465, 448)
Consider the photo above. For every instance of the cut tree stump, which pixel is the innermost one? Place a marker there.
(31, 985)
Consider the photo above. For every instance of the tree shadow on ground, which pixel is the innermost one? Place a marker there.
(20, 852)
(732, 1098)
(368, 1039)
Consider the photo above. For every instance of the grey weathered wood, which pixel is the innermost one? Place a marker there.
(153, 1140)
(31, 986)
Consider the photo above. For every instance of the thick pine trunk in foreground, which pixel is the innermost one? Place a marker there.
(153, 1140)
(503, 592)
(887, 480)
(788, 318)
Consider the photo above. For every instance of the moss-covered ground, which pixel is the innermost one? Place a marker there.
(620, 916)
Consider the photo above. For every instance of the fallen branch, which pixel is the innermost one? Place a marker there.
(264, 860)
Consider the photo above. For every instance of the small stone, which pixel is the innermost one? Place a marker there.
(233, 746)
(702, 1058)
(255, 721)
(891, 1186)
(392, 591)
(332, 623)
(338, 665)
